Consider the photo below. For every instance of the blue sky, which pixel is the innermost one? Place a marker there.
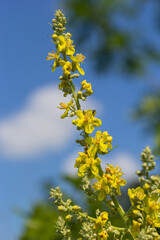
(35, 144)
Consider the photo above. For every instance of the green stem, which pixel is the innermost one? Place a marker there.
(109, 205)
(121, 213)
(130, 209)
(100, 171)
(74, 94)
(131, 235)
(72, 87)
(120, 209)
(88, 217)
(122, 237)
(118, 228)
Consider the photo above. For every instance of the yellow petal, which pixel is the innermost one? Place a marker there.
(101, 195)
(88, 128)
(82, 168)
(79, 114)
(94, 169)
(81, 71)
(97, 122)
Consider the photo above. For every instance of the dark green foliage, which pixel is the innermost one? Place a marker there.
(41, 222)
(40, 225)
(122, 35)
(116, 32)
(149, 112)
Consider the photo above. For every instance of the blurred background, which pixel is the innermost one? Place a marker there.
(120, 40)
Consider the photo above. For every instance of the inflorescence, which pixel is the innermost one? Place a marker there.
(143, 218)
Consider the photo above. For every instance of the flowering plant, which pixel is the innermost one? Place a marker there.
(142, 220)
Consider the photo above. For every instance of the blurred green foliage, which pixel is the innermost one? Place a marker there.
(149, 113)
(120, 33)
(123, 35)
(40, 224)
(41, 221)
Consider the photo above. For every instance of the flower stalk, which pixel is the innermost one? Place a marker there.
(101, 184)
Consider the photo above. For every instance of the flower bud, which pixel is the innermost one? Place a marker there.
(60, 208)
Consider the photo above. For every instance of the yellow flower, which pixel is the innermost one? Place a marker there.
(136, 227)
(86, 86)
(67, 66)
(68, 217)
(66, 45)
(103, 235)
(55, 56)
(87, 163)
(76, 63)
(113, 176)
(60, 208)
(136, 194)
(100, 143)
(76, 208)
(66, 107)
(101, 220)
(146, 186)
(86, 121)
(54, 36)
(152, 209)
(102, 187)
(110, 181)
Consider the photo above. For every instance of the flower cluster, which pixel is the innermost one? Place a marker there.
(86, 121)
(145, 199)
(110, 182)
(142, 219)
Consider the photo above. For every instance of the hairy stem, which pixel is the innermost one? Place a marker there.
(119, 209)
(74, 94)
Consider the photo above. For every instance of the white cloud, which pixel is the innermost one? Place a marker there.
(37, 127)
(68, 166)
(125, 161)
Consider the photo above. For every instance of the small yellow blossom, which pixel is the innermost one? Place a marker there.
(86, 86)
(68, 217)
(102, 187)
(86, 162)
(55, 56)
(60, 208)
(86, 120)
(100, 143)
(110, 181)
(103, 235)
(152, 209)
(66, 107)
(146, 186)
(66, 45)
(101, 220)
(54, 36)
(113, 175)
(76, 63)
(136, 227)
(137, 213)
(76, 208)
(67, 66)
(136, 194)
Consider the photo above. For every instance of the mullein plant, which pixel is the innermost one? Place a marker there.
(142, 220)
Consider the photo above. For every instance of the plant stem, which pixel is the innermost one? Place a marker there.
(119, 209)
(72, 87)
(100, 171)
(74, 95)
(86, 216)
